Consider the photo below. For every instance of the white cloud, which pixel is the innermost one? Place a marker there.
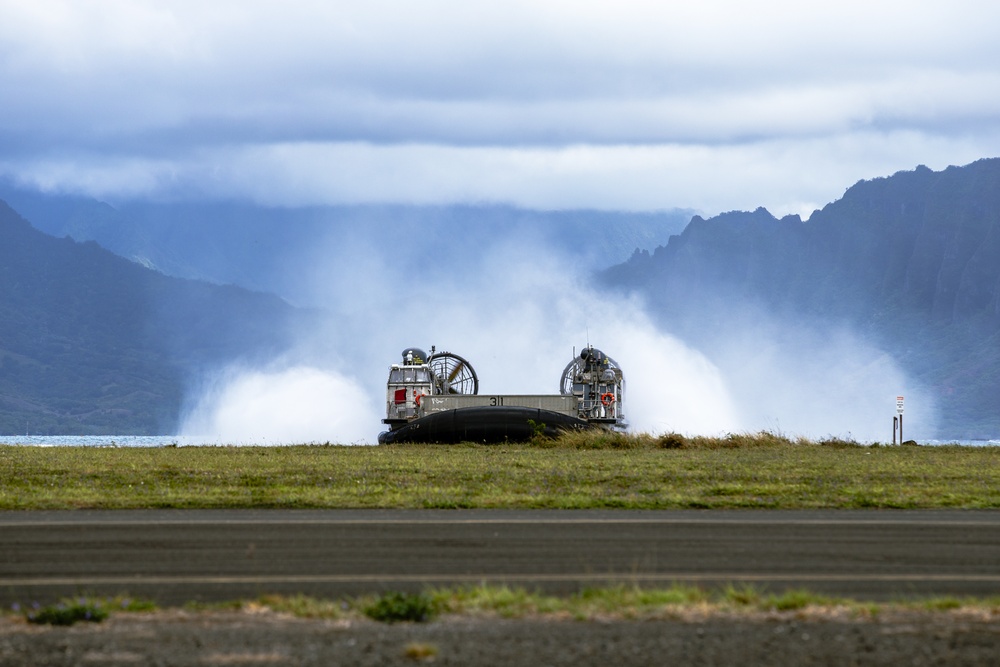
(631, 105)
(784, 175)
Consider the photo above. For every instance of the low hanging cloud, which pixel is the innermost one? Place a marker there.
(712, 106)
(785, 176)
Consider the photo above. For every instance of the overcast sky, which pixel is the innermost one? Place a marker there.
(710, 105)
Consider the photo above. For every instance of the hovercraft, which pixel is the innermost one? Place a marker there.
(435, 399)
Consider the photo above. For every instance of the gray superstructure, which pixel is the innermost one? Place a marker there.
(435, 398)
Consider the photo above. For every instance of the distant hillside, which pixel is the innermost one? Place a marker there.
(253, 246)
(912, 261)
(93, 343)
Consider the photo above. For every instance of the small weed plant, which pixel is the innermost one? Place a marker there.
(68, 613)
(537, 429)
(395, 606)
(90, 609)
(419, 651)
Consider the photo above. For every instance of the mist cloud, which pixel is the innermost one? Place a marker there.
(519, 310)
(281, 405)
(518, 319)
(813, 378)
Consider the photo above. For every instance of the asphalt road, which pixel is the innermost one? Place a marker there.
(175, 556)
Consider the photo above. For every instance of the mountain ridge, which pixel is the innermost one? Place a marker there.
(253, 246)
(910, 260)
(92, 343)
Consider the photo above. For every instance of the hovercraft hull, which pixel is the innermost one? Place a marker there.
(484, 425)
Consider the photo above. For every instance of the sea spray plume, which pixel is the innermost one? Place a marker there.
(282, 405)
(516, 310)
(800, 373)
(518, 317)
(813, 378)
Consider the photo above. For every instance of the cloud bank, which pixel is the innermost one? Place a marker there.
(716, 106)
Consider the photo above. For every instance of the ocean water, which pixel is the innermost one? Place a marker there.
(210, 441)
(138, 441)
(971, 443)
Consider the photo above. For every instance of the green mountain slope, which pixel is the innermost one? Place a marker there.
(93, 343)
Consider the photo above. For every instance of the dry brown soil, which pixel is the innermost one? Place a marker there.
(262, 637)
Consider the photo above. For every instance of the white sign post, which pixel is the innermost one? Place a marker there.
(899, 409)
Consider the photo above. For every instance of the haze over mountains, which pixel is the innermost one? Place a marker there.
(93, 343)
(911, 263)
(262, 248)
(905, 269)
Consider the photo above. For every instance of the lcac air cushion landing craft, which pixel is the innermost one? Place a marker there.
(435, 398)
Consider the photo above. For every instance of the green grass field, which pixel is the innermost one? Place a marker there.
(580, 471)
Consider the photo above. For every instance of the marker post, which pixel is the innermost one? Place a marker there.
(899, 409)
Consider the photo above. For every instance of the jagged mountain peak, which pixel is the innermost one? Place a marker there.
(910, 260)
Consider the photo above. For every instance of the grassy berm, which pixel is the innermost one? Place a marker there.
(595, 470)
